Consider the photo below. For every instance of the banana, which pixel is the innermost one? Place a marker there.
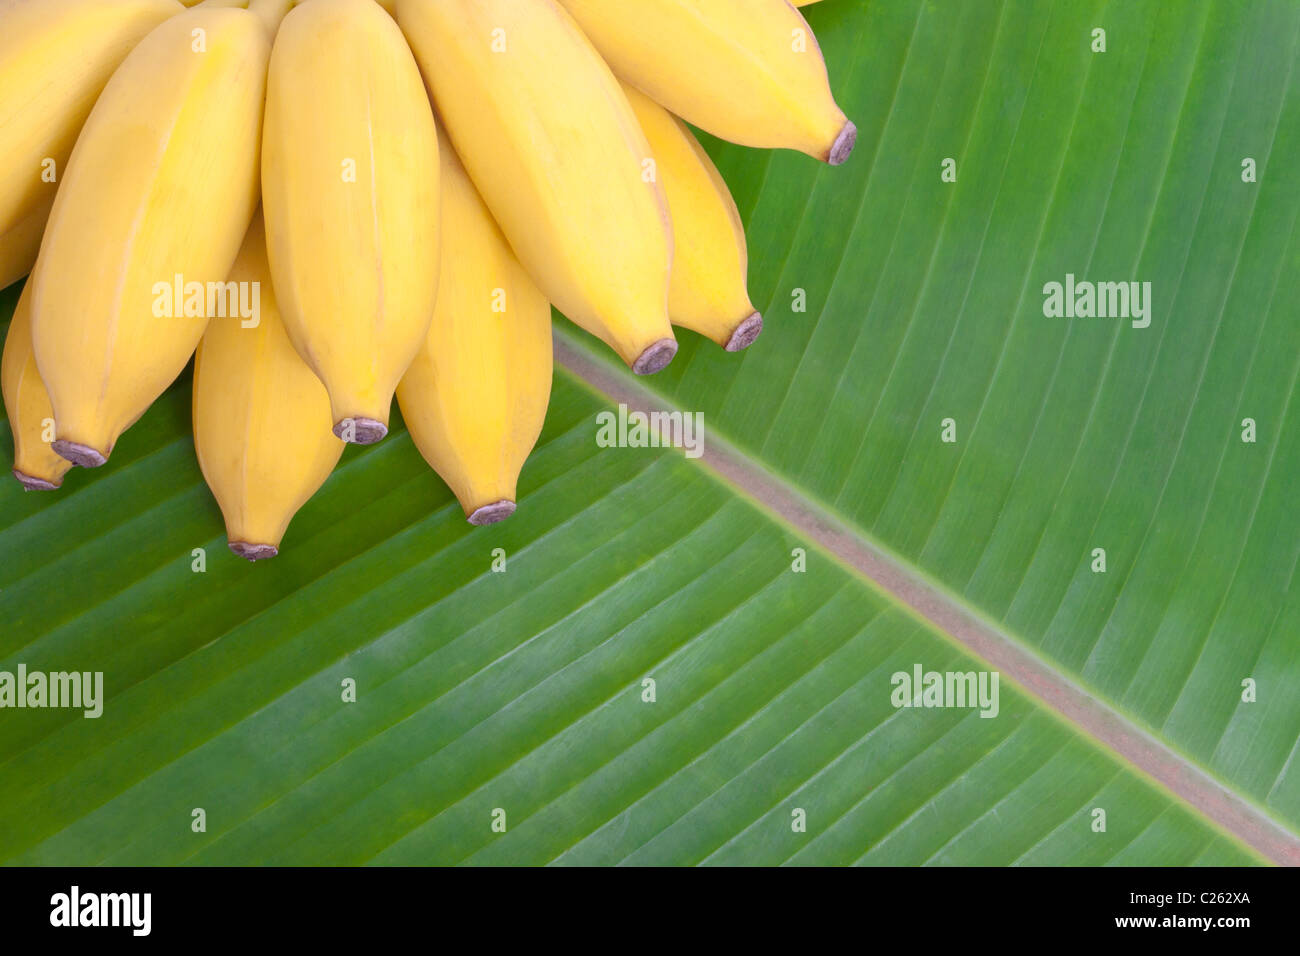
(55, 57)
(19, 245)
(707, 293)
(549, 139)
(261, 416)
(158, 194)
(28, 406)
(475, 397)
(350, 184)
(749, 71)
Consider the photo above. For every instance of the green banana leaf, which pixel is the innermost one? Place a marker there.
(1073, 434)
(504, 710)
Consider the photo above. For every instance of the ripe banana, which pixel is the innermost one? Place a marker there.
(707, 293)
(350, 183)
(55, 57)
(548, 138)
(28, 406)
(19, 245)
(158, 194)
(261, 417)
(749, 71)
(475, 397)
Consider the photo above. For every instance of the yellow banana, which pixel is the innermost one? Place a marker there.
(749, 71)
(19, 245)
(55, 57)
(389, 5)
(475, 397)
(158, 194)
(707, 293)
(261, 416)
(271, 11)
(805, 3)
(350, 182)
(548, 138)
(28, 406)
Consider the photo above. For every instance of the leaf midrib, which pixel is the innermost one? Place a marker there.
(905, 585)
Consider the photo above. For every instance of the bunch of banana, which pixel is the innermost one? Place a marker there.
(433, 175)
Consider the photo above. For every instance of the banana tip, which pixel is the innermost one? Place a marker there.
(491, 514)
(656, 357)
(745, 333)
(360, 431)
(32, 483)
(843, 145)
(78, 454)
(253, 552)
